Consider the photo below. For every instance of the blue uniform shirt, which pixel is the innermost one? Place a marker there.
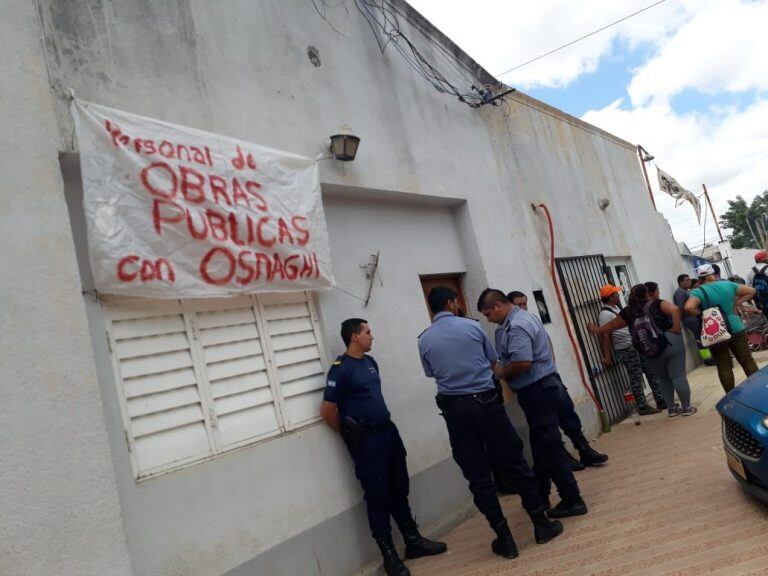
(354, 386)
(458, 354)
(522, 338)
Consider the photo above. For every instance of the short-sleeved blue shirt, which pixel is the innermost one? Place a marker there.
(457, 354)
(354, 386)
(522, 338)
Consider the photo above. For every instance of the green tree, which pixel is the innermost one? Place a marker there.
(748, 223)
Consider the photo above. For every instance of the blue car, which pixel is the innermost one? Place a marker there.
(744, 411)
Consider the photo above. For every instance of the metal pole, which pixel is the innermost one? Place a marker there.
(712, 210)
(640, 151)
(759, 242)
(763, 233)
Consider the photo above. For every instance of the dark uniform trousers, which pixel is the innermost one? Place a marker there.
(569, 421)
(570, 424)
(480, 432)
(380, 466)
(543, 402)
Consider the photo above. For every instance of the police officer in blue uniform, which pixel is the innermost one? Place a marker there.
(570, 423)
(526, 363)
(353, 405)
(458, 354)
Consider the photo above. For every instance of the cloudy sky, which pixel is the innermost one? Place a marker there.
(687, 79)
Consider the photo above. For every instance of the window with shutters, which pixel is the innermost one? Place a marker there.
(197, 378)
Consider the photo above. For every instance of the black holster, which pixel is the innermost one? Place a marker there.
(352, 433)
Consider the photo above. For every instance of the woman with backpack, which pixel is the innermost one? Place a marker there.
(655, 326)
(725, 298)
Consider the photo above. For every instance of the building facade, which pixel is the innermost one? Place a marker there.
(124, 453)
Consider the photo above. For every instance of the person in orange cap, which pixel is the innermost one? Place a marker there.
(617, 347)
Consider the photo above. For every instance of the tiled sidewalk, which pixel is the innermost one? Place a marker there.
(664, 504)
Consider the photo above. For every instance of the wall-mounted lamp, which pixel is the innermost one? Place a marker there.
(344, 146)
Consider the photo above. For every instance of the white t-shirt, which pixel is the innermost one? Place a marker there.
(620, 338)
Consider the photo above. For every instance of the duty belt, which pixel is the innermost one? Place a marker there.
(369, 429)
(484, 396)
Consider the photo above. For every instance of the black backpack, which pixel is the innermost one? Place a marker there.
(760, 283)
(647, 338)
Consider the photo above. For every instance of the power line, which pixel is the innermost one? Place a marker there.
(572, 42)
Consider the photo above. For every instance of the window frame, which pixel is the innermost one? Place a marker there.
(428, 281)
(203, 385)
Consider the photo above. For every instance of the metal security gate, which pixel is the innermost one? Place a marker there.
(581, 278)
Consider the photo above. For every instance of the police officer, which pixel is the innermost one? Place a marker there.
(569, 421)
(457, 353)
(527, 365)
(353, 405)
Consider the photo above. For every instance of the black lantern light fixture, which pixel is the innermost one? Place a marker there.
(344, 145)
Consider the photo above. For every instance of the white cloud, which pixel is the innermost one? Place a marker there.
(722, 48)
(712, 46)
(727, 153)
(500, 34)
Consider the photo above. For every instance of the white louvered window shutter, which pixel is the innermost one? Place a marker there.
(295, 344)
(236, 369)
(199, 377)
(159, 388)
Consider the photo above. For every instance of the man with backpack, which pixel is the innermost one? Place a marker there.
(758, 279)
(617, 346)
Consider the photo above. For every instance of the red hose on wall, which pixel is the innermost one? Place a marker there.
(562, 307)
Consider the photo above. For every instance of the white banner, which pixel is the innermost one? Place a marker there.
(175, 212)
(670, 186)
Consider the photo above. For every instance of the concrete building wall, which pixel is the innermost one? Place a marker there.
(59, 506)
(437, 188)
(742, 260)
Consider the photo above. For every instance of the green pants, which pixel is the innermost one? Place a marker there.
(739, 345)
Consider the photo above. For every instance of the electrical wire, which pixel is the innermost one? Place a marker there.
(324, 16)
(448, 58)
(348, 293)
(572, 42)
(382, 18)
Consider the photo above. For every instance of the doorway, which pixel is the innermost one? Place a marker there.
(452, 281)
(581, 278)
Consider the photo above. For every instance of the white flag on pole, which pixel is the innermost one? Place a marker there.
(672, 187)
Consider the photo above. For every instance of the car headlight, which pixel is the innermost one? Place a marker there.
(765, 422)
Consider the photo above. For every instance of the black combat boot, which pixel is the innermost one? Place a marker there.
(589, 456)
(504, 545)
(544, 529)
(574, 507)
(393, 566)
(576, 465)
(416, 545)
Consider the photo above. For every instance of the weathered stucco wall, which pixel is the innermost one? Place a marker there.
(59, 506)
(742, 261)
(437, 187)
